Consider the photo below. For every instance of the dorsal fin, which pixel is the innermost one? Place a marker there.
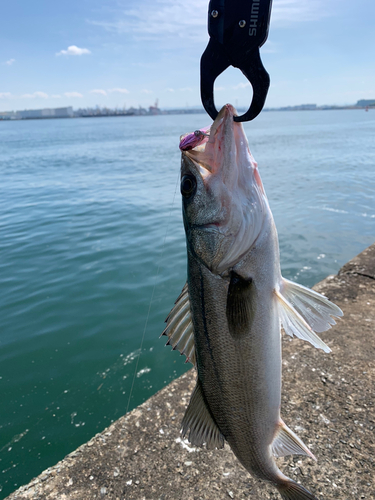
(179, 329)
(198, 423)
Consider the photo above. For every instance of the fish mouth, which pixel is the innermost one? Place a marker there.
(227, 112)
(207, 154)
(230, 176)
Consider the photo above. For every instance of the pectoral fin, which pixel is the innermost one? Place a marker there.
(286, 442)
(240, 306)
(198, 423)
(302, 311)
(179, 329)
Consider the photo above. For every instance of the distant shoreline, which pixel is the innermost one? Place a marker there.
(18, 115)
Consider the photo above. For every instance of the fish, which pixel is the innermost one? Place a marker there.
(227, 320)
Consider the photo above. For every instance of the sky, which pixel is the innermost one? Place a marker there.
(118, 53)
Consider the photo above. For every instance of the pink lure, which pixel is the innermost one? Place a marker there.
(191, 141)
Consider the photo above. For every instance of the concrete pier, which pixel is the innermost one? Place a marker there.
(328, 400)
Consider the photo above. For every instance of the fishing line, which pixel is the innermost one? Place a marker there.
(152, 295)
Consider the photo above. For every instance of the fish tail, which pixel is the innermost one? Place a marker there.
(291, 490)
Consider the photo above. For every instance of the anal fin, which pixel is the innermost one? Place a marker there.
(198, 424)
(286, 442)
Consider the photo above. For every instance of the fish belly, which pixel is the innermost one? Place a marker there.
(240, 375)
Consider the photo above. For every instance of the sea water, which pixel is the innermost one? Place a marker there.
(93, 256)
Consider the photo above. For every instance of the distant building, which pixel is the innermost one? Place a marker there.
(46, 113)
(299, 107)
(154, 110)
(8, 115)
(366, 102)
(306, 106)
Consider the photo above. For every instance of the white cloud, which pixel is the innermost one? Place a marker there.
(35, 95)
(175, 19)
(181, 20)
(10, 62)
(169, 90)
(73, 50)
(98, 91)
(43, 95)
(186, 89)
(5, 95)
(121, 91)
(72, 94)
(242, 85)
(146, 91)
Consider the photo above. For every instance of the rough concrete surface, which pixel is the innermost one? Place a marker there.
(328, 399)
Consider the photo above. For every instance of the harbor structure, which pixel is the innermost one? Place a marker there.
(28, 114)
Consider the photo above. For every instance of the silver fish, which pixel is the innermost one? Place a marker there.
(227, 320)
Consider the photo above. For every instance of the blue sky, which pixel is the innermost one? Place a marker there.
(131, 52)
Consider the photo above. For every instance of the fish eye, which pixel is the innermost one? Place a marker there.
(188, 185)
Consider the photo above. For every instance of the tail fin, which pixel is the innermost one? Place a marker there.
(294, 491)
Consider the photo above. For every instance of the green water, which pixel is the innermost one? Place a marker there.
(93, 257)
